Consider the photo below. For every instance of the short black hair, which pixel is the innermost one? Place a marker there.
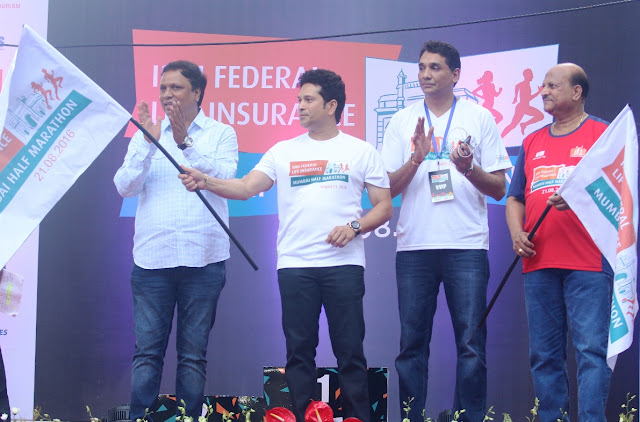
(331, 87)
(579, 77)
(192, 72)
(446, 50)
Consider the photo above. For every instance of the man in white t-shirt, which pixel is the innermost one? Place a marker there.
(320, 179)
(443, 174)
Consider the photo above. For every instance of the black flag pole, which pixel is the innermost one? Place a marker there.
(510, 269)
(198, 192)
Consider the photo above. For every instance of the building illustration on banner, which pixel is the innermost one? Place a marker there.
(26, 114)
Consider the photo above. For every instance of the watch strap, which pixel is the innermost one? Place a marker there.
(186, 143)
(469, 170)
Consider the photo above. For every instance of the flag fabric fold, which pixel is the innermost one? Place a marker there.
(602, 190)
(54, 122)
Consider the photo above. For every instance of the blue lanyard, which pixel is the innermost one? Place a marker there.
(446, 131)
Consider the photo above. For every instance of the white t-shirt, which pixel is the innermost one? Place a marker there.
(320, 186)
(460, 223)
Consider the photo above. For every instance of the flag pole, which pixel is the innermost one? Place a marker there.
(198, 192)
(510, 269)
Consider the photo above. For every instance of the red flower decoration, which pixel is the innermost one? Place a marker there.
(280, 414)
(318, 411)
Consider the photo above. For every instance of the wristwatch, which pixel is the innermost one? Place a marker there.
(186, 143)
(469, 170)
(355, 226)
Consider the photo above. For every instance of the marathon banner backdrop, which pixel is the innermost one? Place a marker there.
(602, 192)
(254, 88)
(55, 121)
(260, 102)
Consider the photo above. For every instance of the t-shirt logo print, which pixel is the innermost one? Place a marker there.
(578, 152)
(317, 171)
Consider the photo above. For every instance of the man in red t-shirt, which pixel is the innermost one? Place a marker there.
(567, 281)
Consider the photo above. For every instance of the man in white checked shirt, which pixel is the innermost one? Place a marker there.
(179, 249)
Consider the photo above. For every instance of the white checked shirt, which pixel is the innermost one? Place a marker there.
(173, 227)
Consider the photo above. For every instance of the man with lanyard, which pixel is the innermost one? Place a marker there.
(564, 286)
(442, 232)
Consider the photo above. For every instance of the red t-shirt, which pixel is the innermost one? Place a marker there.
(561, 241)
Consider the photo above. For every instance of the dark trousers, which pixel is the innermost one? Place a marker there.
(340, 290)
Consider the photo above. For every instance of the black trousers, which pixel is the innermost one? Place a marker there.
(340, 290)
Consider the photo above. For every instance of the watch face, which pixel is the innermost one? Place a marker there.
(186, 143)
(355, 225)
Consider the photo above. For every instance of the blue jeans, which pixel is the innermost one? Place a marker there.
(465, 275)
(156, 293)
(581, 299)
(303, 292)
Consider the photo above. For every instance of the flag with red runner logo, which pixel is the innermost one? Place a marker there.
(54, 122)
(602, 191)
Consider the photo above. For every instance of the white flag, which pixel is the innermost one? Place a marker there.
(55, 121)
(602, 191)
